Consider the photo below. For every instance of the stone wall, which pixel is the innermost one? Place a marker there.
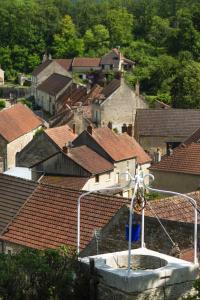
(177, 182)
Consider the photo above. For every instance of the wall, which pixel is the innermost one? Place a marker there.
(2, 77)
(53, 67)
(119, 108)
(16, 146)
(3, 152)
(151, 143)
(177, 182)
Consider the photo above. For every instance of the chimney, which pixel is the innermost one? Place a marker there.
(74, 128)
(44, 58)
(50, 56)
(89, 129)
(124, 128)
(137, 88)
(130, 129)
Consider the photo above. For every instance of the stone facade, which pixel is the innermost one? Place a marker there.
(119, 108)
(152, 143)
(53, 67)
(177, 182)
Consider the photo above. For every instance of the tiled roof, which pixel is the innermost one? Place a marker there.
(185, 159)
(61, 135)
(71, 182)
(54, 84)
(167, 122)
(86, 62)
(49, 218)
(65, 63)
(174, 208)
(117, 147)
(89, 160)
(41, 67)
(93, 94)
(14, 193)
(110, 88)
(141, 156)
(193, 138)
(16, 121)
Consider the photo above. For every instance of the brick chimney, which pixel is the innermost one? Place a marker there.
(89, 129)
(124, 128)
(74, 128)
(130, 129)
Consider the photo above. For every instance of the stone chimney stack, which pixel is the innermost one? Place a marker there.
(89, 129)
(130, 129)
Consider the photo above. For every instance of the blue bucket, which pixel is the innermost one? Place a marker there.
(136, 228)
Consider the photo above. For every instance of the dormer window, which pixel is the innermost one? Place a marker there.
(97, 178)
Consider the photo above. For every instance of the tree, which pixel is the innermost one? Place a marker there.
(42, 274)
(159, 32)
(66, 43)
(186, 86)
(96, 40)
(120, 25)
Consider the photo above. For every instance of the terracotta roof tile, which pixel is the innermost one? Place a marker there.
(86, 62)
(54, 84)
(49, 218)
(61, 135)
(174, 208)
(14, 192)
(17, 121)
(116, 146)
(89, 160)
(185, 159)
(71, 182)
(167, 122)
(141, 156)
(65, 63)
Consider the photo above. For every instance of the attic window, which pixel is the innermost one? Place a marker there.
(96, 178)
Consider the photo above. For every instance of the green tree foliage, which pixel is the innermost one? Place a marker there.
(96, 40)
(158, 35)
(42, 274)
(66, 43)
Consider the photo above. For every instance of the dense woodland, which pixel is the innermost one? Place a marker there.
(161, 36)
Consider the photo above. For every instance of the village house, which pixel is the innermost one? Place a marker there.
(121, 150)
(1, 76)
(50, 90)
(46, 69)
(18, 125)
(44, 145)
(115, 61)
(159, 130)
(66, 162)
(116, 105)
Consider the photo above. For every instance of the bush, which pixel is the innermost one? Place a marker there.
(26, 102)
(42, 274)
(2, 104)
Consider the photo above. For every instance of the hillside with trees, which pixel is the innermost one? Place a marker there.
(161, 36)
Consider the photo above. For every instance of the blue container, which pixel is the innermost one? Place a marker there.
(136, 228)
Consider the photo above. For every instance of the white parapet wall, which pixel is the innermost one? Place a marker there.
(153, 275)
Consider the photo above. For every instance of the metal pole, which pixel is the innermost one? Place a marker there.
(190, 200)
(142, 233)
(131, 221)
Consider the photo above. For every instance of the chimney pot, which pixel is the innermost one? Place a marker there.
(89, 129)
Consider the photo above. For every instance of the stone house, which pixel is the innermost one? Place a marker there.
(164, 128)
(46, 69)
(180, 170)
(44, 145)
(18, 125)
(1, 76)
(115, 61)
(124, 152)
(49, 91)
(116, 105)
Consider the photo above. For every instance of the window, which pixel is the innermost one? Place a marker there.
(111, 67)
(109, 175)
(97, 178)
(172, 145)
(103, 67)
(8, 250)
(117, 177)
